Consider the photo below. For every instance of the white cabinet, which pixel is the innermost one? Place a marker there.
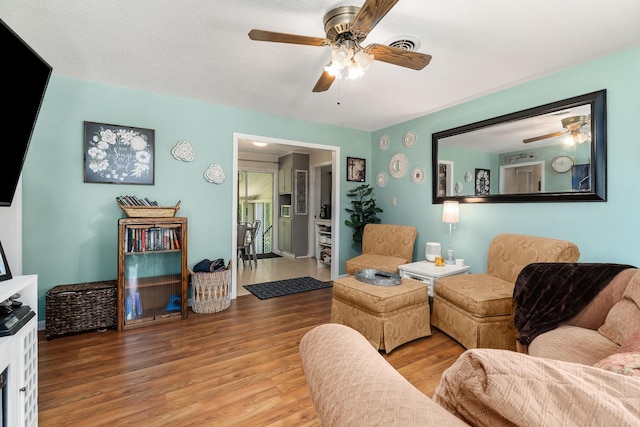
(284, 181)
(19, 356)
(324, 242)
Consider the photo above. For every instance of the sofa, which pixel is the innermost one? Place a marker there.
(351, 384)
(384, 247)
(587, 313)
(476, 309)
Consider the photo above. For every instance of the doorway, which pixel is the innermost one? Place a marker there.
(522, 178)
(256, 203)
(263, 157)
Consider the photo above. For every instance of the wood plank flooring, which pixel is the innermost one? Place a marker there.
(238, 367)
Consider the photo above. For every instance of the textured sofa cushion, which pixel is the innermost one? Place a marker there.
(573, 344)
(595, 313)
(351, 384)
(632, 343)
(624, 317)
(487, 387)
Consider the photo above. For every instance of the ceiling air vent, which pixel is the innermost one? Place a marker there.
(405, 42)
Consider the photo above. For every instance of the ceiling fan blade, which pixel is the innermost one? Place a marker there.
(371, 12)
(538, 138)
(401, 57)
(271, 36)
(324, 82)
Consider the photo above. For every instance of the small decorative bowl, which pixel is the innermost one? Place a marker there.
(378, 277)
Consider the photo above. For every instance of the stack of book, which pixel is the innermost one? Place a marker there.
(136, 207)
(135, 201)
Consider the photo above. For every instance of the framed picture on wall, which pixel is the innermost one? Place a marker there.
(356, 169)
(483, 182)
(581, 177)
(115, 154)
(5, 272)
(300, 192)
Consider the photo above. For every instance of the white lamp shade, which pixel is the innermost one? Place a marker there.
(450, 212)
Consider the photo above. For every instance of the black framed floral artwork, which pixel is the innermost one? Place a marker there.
(115, 154)
(356, 169)
(483, 182)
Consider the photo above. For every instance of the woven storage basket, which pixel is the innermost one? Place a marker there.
(211, 292)
(80, 307)
(150, 211)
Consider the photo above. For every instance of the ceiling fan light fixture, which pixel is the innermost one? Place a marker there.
(348, 62)
(575, 137)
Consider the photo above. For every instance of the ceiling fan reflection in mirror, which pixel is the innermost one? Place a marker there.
(346, 27)
(575, 130)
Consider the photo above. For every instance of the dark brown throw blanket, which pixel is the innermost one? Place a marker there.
(549, 293)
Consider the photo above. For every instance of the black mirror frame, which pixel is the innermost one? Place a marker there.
(597, 100)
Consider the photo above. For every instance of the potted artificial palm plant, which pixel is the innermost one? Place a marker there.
(363, 210)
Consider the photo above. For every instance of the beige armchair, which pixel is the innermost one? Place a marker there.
(384, 247)
(477, 309)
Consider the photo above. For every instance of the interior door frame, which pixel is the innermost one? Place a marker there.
(335, 199)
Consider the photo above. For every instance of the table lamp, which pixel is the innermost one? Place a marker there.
(450, 215)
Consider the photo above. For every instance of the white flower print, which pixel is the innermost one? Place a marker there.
(119, 154)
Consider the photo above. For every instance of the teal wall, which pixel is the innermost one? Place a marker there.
(604, 231)
(69, 227)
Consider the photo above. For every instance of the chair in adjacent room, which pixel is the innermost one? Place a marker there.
(253, 241)
(243, 235)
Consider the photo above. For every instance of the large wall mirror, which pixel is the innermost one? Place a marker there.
(554, 152)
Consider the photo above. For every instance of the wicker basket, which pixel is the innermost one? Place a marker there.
(211, 292)
(80, 307)
(150, 211)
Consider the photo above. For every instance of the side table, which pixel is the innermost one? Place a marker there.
(427, 272)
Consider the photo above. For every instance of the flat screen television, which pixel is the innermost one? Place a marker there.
(24, 75)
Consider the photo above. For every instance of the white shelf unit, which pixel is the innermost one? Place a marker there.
(19, 355)
(324, 243)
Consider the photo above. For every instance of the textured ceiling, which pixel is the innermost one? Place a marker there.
(199, 49)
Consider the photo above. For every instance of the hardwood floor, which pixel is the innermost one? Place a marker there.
(238, 367)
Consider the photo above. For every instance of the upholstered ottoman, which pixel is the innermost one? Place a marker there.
(388, 316)
(475, 310)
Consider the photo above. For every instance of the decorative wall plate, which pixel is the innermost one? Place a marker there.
(467, 176)
(183, 151)
(215, 174)
(410, 139)
(383, 143)
(417, 175)
(398, 165)
(381, 179)
(459, 187)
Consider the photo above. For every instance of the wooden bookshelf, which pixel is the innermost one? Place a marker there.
(152, 271)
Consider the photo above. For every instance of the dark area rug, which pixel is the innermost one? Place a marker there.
(268, 255)
(279, 288)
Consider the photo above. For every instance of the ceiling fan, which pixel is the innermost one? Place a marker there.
(346, 27)
(573, 125)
